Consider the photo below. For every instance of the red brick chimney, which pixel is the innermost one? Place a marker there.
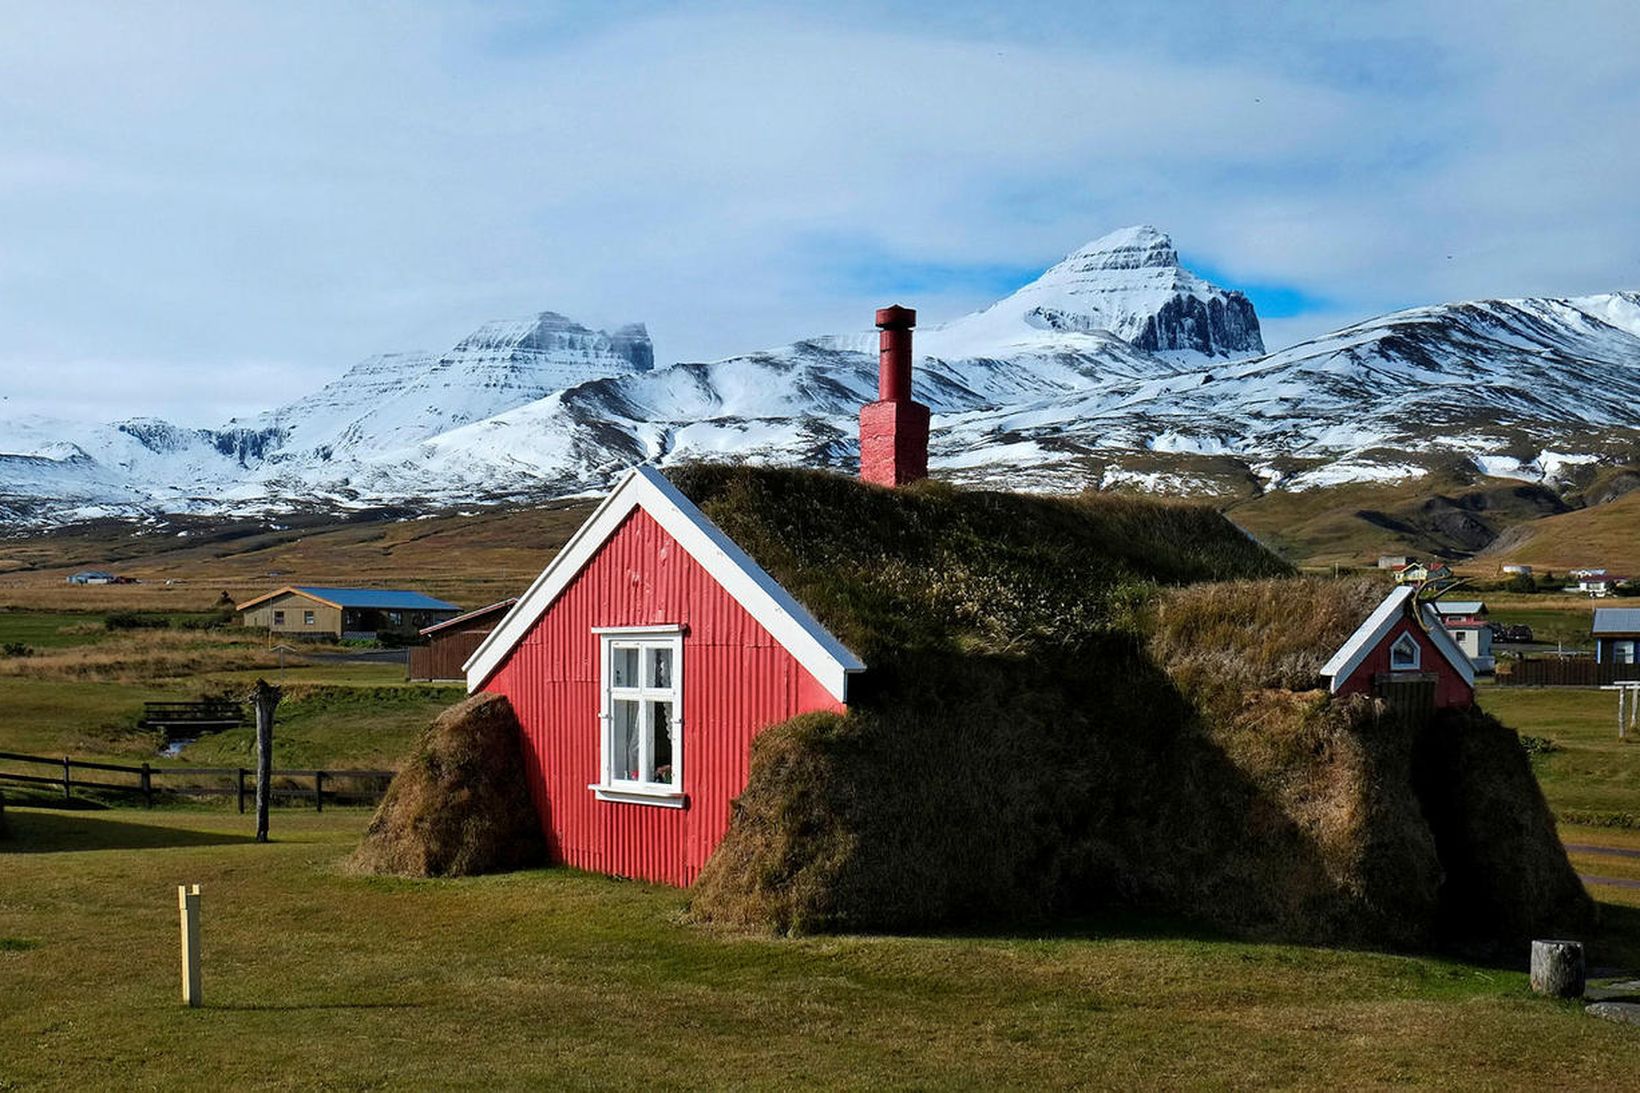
(894, 430)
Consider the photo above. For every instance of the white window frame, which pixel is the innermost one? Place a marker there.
(645, 638)
(1406, 639)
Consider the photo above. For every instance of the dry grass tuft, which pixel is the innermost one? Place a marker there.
(1237, 637)
(459, 805)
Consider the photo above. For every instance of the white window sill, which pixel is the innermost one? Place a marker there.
(640, 795)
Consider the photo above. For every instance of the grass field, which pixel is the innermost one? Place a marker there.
(1594, 774)
(317, 979)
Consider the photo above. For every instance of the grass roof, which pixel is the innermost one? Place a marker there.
(931, 568)
(1083, 701)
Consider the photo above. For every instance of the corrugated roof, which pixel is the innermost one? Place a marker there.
(1617, 620)
(498, 608)
(387, 599)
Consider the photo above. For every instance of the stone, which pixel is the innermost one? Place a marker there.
(1626, 1012)
(1557, 968)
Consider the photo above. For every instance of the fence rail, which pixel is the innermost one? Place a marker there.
(147, 773)
(1563, 672)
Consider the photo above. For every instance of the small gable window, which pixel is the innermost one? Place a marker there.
(641, 715)
(1404, 655)
(278, 618)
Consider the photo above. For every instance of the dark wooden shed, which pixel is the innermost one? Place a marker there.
(451, 642)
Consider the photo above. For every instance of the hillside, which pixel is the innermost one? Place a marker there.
(1605, 535)
(470, 558)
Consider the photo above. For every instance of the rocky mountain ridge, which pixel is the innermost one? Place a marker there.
(1117, 367)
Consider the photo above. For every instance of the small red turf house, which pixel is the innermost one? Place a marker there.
(652, 650)
(1400, 655)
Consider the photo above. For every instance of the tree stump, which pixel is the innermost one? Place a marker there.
(1557, 968)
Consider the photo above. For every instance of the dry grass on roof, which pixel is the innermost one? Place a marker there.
(1239, 637)
(932, 567)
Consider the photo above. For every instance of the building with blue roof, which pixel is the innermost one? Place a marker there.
(310, 611)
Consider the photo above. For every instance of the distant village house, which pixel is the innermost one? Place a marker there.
(1466, 621)
(1595, 582)
(307, 611)
(98, 576)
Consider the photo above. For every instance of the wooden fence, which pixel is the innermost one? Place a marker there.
(346, 785)
(1563, 672)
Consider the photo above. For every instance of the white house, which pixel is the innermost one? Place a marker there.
(1466, 621)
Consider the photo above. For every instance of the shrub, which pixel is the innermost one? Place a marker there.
(136, 620)
(1538, 745)
(16, 649)
(1521, 582)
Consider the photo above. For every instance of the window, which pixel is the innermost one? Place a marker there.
(278, 618)
(1404, 655)
(1623, 652)
(641, 715)
(307, 618)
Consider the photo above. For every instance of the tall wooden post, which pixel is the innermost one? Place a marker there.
(188, 909)
(265, 698)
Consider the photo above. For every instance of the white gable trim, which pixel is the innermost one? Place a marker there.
(760, 594)
(1377, 626)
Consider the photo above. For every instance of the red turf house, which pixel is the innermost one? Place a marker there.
(1393, 647)
(652, 650)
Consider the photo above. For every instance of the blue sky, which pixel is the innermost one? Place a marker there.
(206, 209)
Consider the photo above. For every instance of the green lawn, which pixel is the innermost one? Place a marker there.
(49, 629)
(362, 727)
(1594, 775)
(550, 978)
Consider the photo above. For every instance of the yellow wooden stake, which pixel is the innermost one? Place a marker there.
(188, 906)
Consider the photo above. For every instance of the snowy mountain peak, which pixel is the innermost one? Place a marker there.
(1128, 284)
(1138, 247)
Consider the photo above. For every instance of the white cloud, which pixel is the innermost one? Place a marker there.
(185, 188)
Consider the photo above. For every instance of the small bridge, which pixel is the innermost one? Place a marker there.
(182, 718)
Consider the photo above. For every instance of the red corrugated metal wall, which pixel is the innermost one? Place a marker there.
(736, 681)
(1450, 689)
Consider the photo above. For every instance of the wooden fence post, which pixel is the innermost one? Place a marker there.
(67, 793)
(147, 786)
(241, 791)
(265, 698)
(188, 907)
(318, 791)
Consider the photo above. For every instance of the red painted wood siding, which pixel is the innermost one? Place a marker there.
(736, 678)
(1450, 689)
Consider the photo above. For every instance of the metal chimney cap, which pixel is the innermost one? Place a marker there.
(896, 317)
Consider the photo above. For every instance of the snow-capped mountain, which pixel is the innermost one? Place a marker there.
(1116, 366)
(1128, 284)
